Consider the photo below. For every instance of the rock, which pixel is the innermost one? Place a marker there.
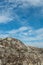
(14, 52)
(0, 62)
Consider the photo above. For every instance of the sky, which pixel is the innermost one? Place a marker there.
(22, 19)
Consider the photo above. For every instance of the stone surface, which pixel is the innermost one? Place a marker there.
(14, 52)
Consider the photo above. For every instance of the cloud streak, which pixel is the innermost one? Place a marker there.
(29, 2)
(11, 8)
(34, 39)
(4, 19)
(24, 13)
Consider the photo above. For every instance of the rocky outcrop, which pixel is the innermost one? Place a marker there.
(14, 52)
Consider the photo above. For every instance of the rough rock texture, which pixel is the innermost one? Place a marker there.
(14, 52)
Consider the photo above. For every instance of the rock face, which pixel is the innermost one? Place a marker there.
(14, 52)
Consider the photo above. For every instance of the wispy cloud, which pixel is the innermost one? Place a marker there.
(4, 35)
(21, 29)
(28, 36)
(26, 12)
(36, 2)
(29, 2)
(11, 6)
(4, 19)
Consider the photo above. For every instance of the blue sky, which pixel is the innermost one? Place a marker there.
(22, 19)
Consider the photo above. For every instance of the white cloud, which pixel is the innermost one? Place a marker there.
(36, 2)
(4, 19)
(23, 34)
(27, 33)
(28, 2)
(8, 14)
(18, 30)
(4, 35)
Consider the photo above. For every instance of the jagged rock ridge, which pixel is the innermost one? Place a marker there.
(14, 52)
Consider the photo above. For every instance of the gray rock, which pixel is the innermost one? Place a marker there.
(14, 52)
